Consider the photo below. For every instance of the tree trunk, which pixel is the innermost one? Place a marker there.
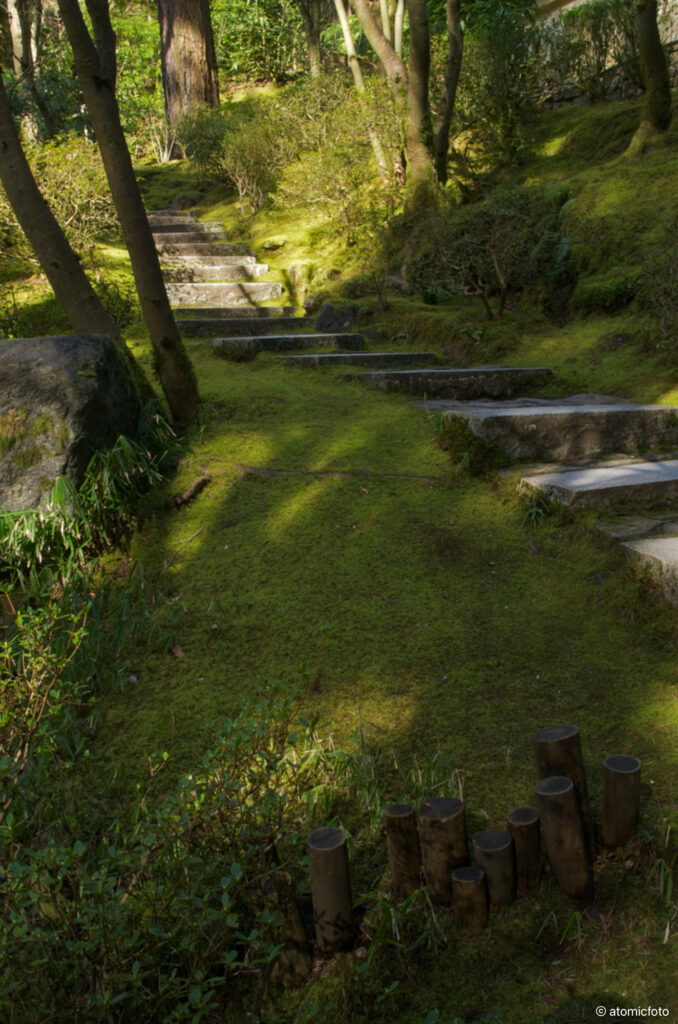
(356, 71)
(24, 28)
(419, 124)
(63, 270)
(657, 106)
(311, 16)
(95, 68)
(418, 132)
(189, 63)
(455, 49)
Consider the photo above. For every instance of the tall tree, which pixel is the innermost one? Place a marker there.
(426, 144)
(63, 270)
(189, 62)
(24, 21)
(311, 14)
(95, 66)
(656, 116)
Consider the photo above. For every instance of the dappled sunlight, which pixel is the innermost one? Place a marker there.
(292, 511)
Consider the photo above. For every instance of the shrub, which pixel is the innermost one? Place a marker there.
(511, 242)
(498, 86)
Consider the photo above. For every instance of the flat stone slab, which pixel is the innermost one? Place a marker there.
(179, 250)
(200, 272)
(158, 220)
(192, 226)
(461, 384)
(242, 294)
(321, 359)
(206, 327)
(227, 313)
(234, 348)
(571, 428)
(658, 556)
(236, 259)
(190, 235)
(603, 485)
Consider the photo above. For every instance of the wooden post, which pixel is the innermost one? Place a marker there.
(330, 889)
(621, 799)
(564, 836)
(442, 835)
(493, 852)
(523, 824)
(470, 899)
(558, 752)
(403, 848)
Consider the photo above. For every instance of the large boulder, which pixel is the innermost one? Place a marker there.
(335, 319)
(60, 398)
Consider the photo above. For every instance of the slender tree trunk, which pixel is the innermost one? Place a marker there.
(411, 86)
(63, 270)
(357, 73)
(95, 68)
(189, 62)
(398, 27)
(25, 23)
(455, 50)
(657, 107)
(420, 126)
(312, 17)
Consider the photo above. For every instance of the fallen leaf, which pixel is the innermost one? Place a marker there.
(177, 651)
(364, 490)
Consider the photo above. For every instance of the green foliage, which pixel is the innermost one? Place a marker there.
(511, 242)
(71, 177)
(258, 42)
(587, 43)
(71, 524)
(159, 920)
(658, 291)
(468, 452)
(498, 86)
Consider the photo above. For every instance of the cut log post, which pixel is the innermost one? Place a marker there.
(558, 752)
(442, 836)
(400, 826)
(523, 824)
(621, 799)
(470, 899)
(294, 961)
(330, 889)
(564, 836)
(493, 852)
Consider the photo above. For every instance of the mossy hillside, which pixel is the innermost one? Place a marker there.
(429, 612)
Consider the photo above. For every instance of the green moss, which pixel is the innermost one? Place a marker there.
(12, 428)
(63, 437)
(41, 425)
(27, 457)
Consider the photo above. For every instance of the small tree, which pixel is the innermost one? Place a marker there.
(95, 65)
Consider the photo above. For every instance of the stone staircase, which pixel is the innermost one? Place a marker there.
(599, 451)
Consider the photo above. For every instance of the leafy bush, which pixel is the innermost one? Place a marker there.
(157, 922)
(498, 86)
(511, 242)
(71, 177)
(584, 43)
(258, 42)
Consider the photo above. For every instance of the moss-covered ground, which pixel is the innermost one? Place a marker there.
(337, 548)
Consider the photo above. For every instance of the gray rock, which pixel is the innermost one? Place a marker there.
(60, 398)
(335, 319)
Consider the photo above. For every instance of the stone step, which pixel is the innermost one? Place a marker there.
(460, 384)
(235, 259)
(658, 556)
(205, 327)
(321, 359)
(181, 227)
(179, 250)
(241, 294)
(229, 272)
(160, 219)
(565, 429)
(189, 236)
(238, 348)
(225, 313)
(602, 485)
